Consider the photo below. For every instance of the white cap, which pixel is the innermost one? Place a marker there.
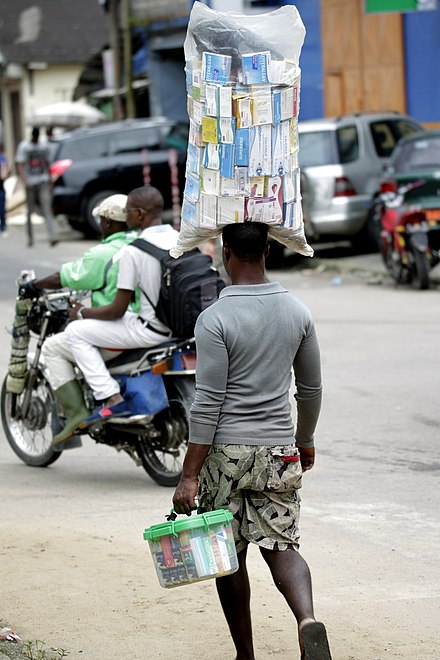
(112, 208)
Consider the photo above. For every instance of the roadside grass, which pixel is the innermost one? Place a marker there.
(37, 651)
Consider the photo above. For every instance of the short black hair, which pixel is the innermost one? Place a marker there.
(247, 240)
(147, 198)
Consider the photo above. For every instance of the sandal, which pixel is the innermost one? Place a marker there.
(314, 643)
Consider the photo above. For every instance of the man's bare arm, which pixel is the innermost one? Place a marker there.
(50, 282)
(186, 491)
(21, 172)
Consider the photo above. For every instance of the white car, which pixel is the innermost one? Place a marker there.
(342, 160)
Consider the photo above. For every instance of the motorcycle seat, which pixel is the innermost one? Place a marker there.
(131, 355)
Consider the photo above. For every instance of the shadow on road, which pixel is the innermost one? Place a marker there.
(327, 251)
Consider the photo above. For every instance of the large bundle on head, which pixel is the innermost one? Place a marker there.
(243, 83)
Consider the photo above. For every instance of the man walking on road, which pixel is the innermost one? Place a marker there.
(33, 160)
(244, 452)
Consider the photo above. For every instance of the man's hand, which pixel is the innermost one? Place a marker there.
(186, 491)
(307, 457)
(74, 308)
(29, 290)
(209, 248)
(184, 499)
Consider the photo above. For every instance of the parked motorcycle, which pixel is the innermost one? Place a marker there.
(409, 239)
(406, 212)
(158, 383)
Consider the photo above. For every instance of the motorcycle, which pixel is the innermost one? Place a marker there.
(409, 237)
(157, 382)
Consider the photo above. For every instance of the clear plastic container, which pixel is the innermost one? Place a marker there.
(193, 549)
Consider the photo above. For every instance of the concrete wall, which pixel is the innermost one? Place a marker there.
(25, 91)
(50, 85)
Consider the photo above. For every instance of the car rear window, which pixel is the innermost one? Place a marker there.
(133, 141)
(418, 155)
(87, 148)
(321, 148)
(387, 132)
(348, 143)
(317, 148)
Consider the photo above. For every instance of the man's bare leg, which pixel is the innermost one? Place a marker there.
(235, 593)
(291, 576)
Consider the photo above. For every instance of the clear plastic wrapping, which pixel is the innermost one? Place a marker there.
(243, 85)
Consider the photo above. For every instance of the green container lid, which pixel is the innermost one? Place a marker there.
(201, 520)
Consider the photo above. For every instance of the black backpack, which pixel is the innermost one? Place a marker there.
(189, 285)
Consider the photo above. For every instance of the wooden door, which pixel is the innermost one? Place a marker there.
(363, 59)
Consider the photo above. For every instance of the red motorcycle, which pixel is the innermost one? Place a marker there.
(406, 212)
(409, 238)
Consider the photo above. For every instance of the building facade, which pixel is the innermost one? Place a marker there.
(43, 48)
(351, 61)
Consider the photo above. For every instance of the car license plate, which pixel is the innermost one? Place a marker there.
(432, 214)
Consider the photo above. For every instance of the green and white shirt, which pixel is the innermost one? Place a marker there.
(98, 269)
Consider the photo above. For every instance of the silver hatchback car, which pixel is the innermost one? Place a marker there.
(342, 160)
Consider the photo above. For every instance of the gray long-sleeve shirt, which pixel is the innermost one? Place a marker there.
(247, 343)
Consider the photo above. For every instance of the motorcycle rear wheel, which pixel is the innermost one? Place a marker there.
(31, 437)
(420, 275)
(162, 459)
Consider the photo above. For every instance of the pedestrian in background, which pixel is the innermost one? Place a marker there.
(4, 173)
(244, 452)
(32, 161)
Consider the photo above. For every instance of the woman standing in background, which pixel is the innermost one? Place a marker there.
(4, 173)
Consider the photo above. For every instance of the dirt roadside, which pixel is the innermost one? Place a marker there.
(95, 594)
(76, 573)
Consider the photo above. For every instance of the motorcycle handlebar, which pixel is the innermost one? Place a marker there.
(57, 295)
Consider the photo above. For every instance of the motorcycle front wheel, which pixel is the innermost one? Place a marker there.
(162, 454)
(30, 435)
(420, 275)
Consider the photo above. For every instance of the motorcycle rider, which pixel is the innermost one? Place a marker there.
(96, 271)
(92, 330)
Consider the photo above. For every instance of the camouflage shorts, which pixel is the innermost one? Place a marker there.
(259, 485)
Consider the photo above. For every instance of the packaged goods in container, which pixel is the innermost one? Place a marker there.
(192, 549)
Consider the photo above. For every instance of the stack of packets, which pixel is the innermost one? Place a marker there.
(193, 555)
(243, 85)
(242, 160)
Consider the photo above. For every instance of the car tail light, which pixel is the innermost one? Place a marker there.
(58, 168)
(388, 186)
(344, 187)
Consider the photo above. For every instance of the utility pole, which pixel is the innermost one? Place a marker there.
(114, 22)
(129, 97)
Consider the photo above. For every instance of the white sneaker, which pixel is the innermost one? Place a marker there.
(4, 234)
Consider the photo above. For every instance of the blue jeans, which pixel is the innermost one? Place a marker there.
(2, 211)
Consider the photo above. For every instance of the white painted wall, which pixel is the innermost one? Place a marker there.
(50, 85)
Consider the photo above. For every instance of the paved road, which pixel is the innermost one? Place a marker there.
(74, 570)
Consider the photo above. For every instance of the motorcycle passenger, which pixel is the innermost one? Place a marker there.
(96, 271)
(113, 326)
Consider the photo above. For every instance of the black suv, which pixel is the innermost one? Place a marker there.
(89, 164)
